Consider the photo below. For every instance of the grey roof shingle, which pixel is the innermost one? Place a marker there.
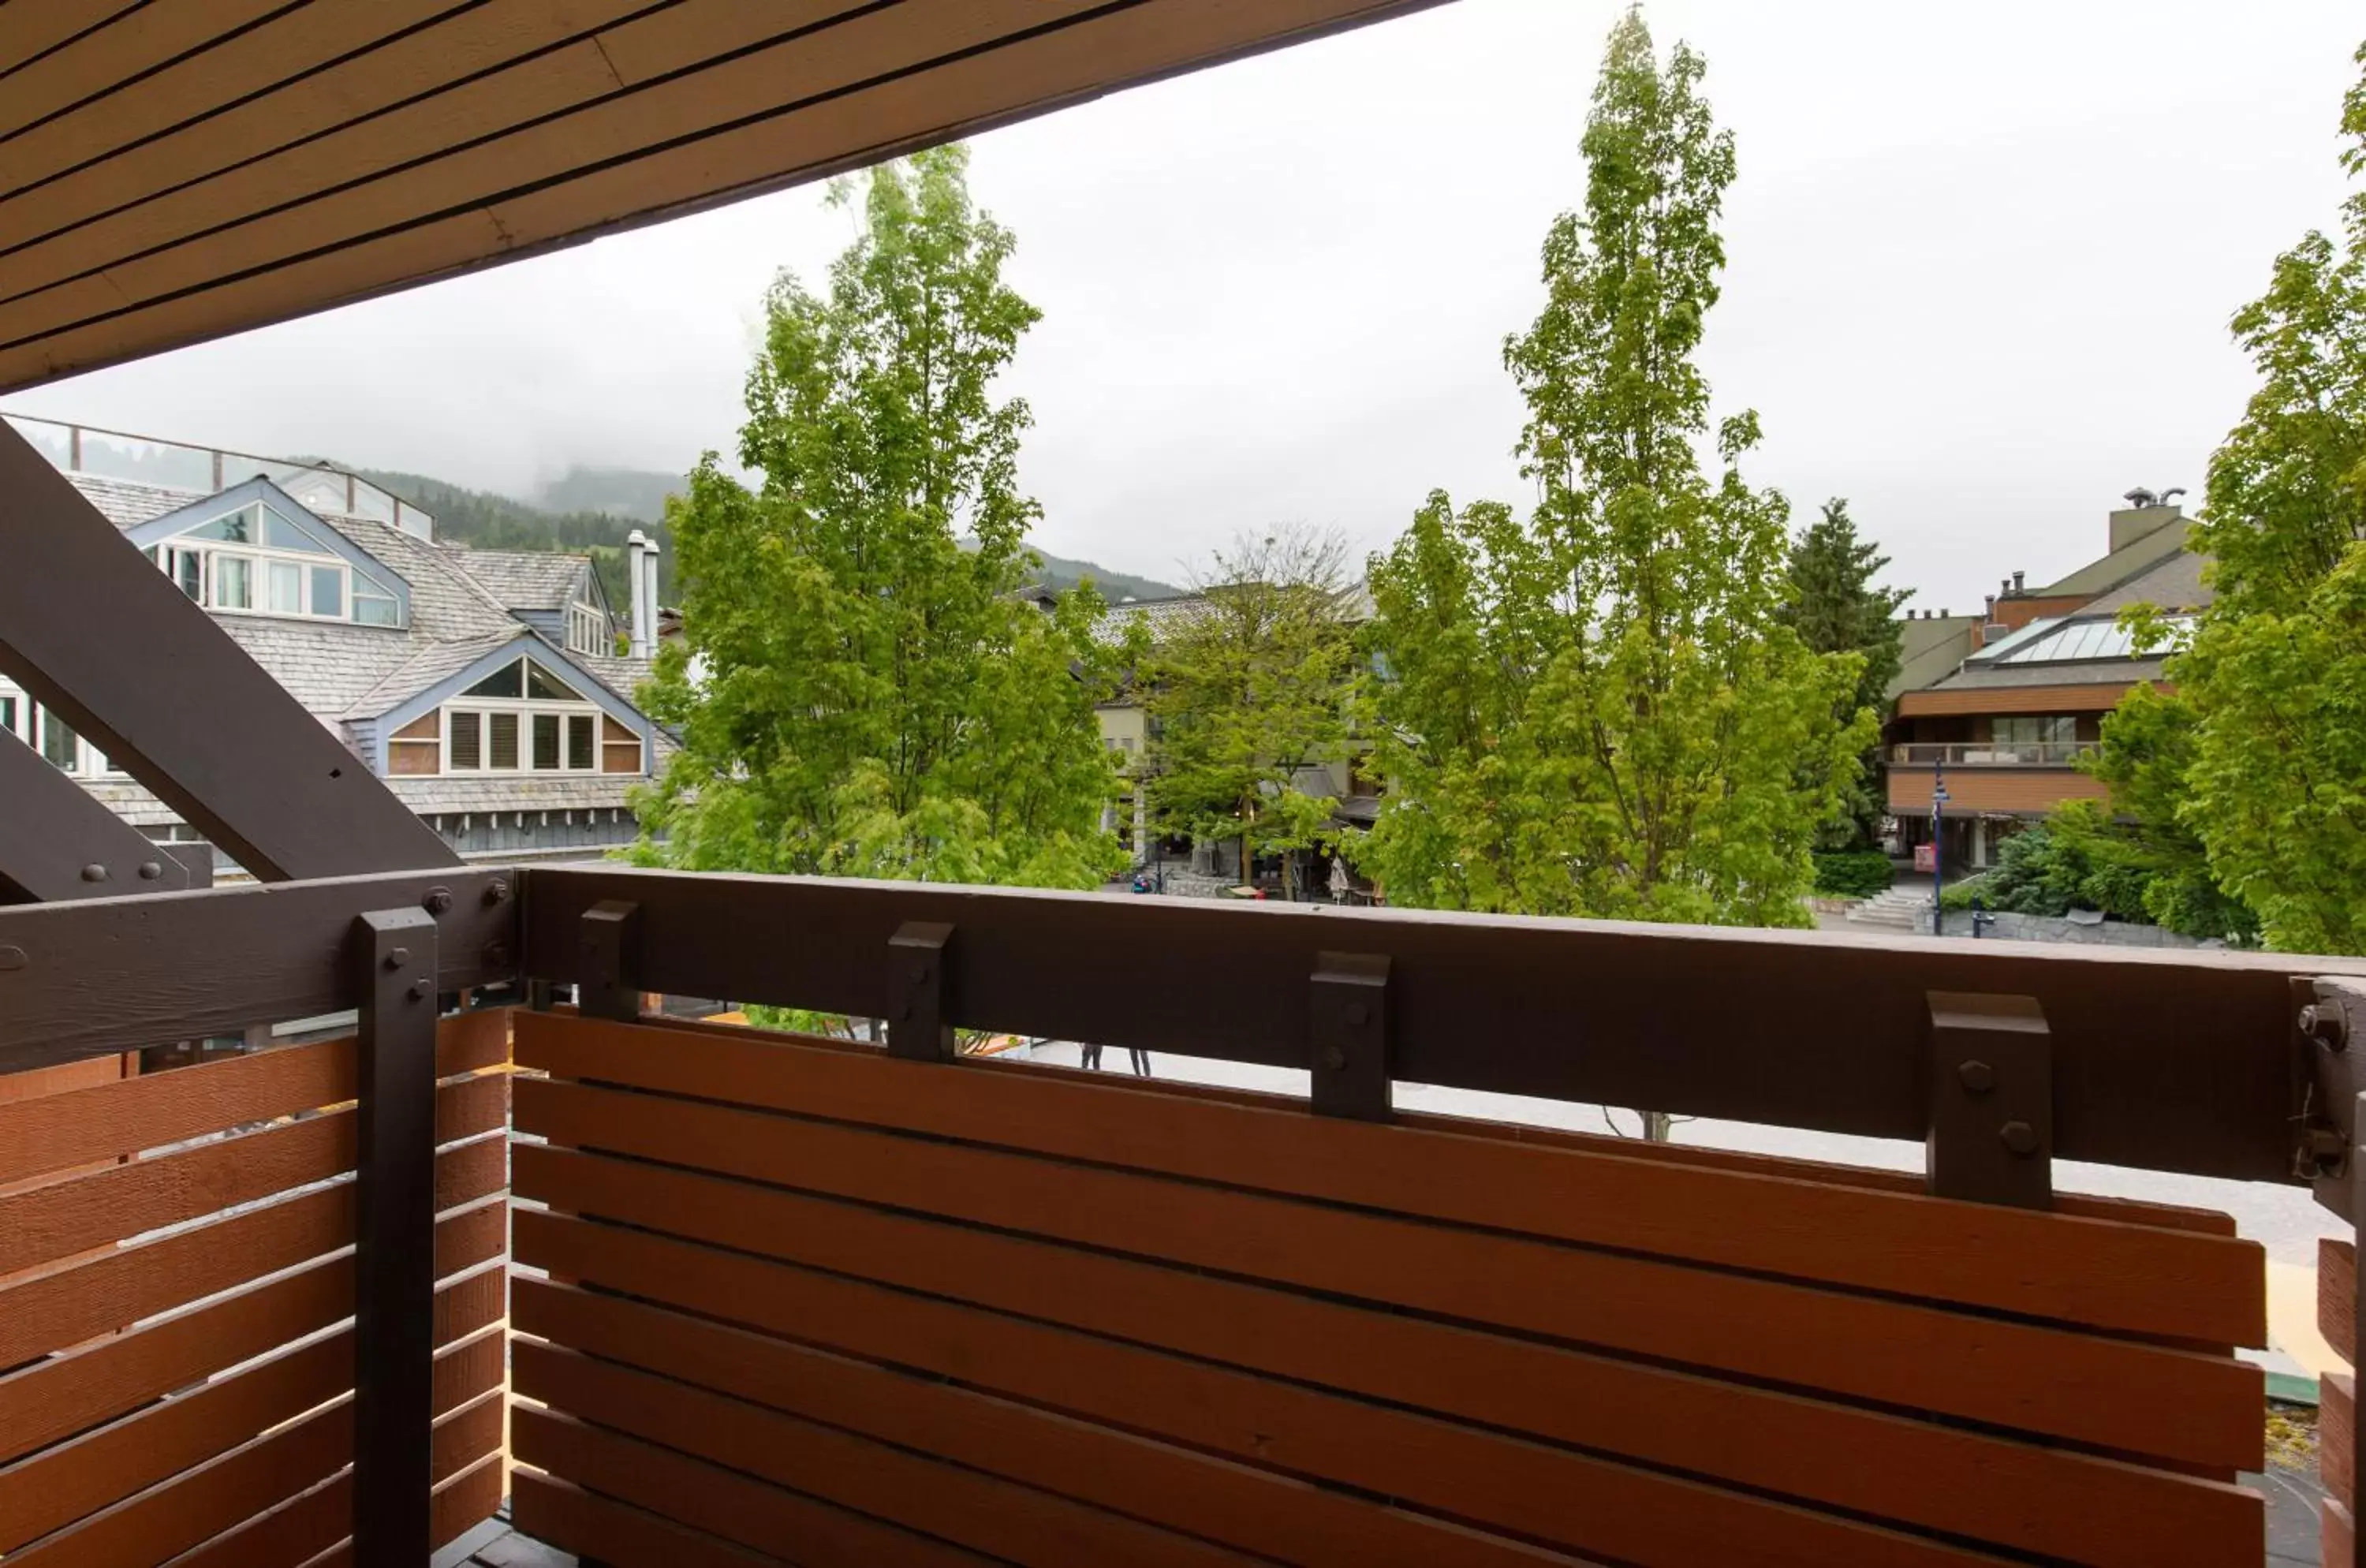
(125, 504)
(522, 580)
(621, 676)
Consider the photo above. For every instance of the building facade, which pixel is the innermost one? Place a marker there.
(1998, 710)
(492, 690)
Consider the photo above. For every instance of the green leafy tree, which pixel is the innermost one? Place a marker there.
(2268, 723)
(1836, 607)
(1602, 711)
(860, 693)
(1252, 695)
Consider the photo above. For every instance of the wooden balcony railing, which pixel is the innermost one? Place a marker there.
(787, 1299)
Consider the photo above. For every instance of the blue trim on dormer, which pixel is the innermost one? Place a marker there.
(160, 530)
(541, 648)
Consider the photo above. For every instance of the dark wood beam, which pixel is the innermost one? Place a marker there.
(83, 979)
(58, 843)
(2172, 1061)
(91, 628)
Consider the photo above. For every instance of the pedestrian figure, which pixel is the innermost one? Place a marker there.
(1092, 1060)
(1141, 1062)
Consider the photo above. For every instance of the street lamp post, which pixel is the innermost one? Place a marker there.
(1938, 849)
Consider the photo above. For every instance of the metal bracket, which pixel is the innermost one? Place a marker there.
(2328, 1015)
(1348, 1028)
(609, 935)
(1991, 1125)
(916, 1030)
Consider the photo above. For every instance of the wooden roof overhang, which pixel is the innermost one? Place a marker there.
(173, 171)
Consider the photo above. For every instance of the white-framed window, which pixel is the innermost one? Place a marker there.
(254, 561)
(49, 733)
(587, 631)
(522, 719)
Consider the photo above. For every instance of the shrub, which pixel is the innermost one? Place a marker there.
(1856, 874)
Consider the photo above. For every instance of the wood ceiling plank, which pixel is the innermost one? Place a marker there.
(107, 57)
(30, 28)
(341, 164)
(287, 47)
(483, 39)
(552, 144)
(983, 89)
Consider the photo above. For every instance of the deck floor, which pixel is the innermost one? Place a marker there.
(494, 1544)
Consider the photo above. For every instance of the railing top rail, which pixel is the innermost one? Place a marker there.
(83, 979)
(2169, 1060)
(2174, 1061)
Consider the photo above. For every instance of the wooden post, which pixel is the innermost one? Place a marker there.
(394, 1254)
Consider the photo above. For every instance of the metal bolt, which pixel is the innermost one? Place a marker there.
(12, 958)
(2020, 1137)
(1334, 1057)
(397, 957)
(1358, 1013)
(497, 892)
(438, 900)
(2326, 1023)
(1977, 1077)
(150, 871)
(93, 872)
(421, 989)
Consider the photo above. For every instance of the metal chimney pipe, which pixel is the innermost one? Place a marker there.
(637, 579)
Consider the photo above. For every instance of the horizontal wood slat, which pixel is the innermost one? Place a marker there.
(1583, 1504)
(53, 1400)
(54, 1310)
(981, 1512)
(32, 28)
(203, 1503)
(54, 1488)
(60, 1132)
(150, 35)
(1868, 1460)
(2336, 1295)
(777, 1522)
(1129, 1474)
(2131, 1277)
(294, 44)
(288, 1536)
(60, 1219)
(1914, 1471)
(2083, 1205)
(238, 1497)
(513, 130)
(446, 215)
(307, 1530)
(568, 1516)
(1472, 1325)
(477, 40)
(1251, 1508)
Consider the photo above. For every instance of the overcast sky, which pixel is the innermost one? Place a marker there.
(1981, 260)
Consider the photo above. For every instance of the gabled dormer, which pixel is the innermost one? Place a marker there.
(254, 550)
